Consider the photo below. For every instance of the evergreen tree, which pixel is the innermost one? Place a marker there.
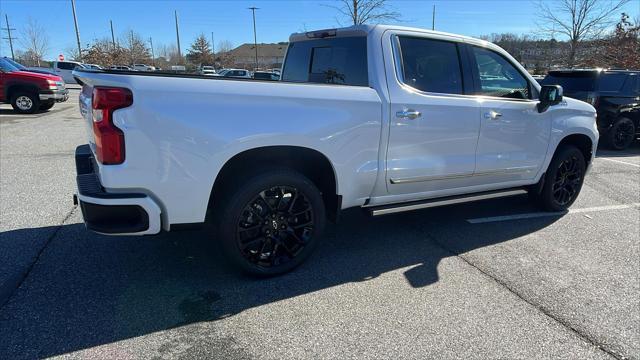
(200, 52)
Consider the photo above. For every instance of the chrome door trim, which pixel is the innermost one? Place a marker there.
(512, 170)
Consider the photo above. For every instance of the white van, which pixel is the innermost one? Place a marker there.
(64, 69)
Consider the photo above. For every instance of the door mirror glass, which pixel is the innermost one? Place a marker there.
(549, 95)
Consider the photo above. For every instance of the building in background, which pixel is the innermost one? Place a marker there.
(269, 56)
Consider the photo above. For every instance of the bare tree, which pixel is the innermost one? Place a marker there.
(621, 48)
(224, 46)
(71, 53)
(223, 57)
(35, 40)
(578, 20)
(135, 47)
(361, 12)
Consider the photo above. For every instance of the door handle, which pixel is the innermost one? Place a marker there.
(493, 115)
(408, 114)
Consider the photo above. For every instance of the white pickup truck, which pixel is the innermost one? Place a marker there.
(385, 118)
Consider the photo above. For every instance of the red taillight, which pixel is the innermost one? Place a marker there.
(109, 139)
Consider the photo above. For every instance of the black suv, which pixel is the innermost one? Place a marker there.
(614, 93)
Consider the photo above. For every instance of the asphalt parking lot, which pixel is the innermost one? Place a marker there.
(489, 280)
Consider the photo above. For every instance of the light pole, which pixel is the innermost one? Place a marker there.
(153, 57)
(255, 38)
(178, 37)
(75, 21)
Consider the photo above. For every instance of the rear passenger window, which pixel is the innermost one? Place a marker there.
(611, 82)
(431, 65)
(332, 61)
(498, 77)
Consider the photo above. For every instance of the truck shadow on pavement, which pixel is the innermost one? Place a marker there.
(88, 290)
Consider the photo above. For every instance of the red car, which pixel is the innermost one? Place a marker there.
(29, 92)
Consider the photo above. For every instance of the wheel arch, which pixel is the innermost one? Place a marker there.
(309, 162)
(16, 86)
(581, 141)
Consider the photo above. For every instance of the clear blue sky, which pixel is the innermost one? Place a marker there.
(230, 20)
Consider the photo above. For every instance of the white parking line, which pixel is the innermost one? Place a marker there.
(618, 161)
(547, 214)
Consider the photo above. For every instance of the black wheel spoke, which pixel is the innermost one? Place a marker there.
(298, 226)
(292, 202)
(301, 212)
(247, 229)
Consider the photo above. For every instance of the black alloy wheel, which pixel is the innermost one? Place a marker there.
(275, 226)
(567, 181)
(270, 222)
(563, 180)
(622, 134)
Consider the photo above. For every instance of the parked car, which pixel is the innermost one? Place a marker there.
(120, 68)
(143, 67)
(385, 118)
(93, 66)
(264, 75)
(236, 73)
(538, 78)
(207, 70)
(614, 93)
(64, 69)
(28, 91)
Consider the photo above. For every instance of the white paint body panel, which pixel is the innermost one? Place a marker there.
(180, 132)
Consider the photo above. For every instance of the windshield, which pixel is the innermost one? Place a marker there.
(16, 64)
(572, 81)
(6, 66)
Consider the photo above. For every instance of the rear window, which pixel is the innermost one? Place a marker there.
(611, 82)
(574, 81)
(331, 61)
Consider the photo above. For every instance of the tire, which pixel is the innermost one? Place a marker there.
(282, 229)
(25, 102)
(47, 105)
(621, 134)
(563, 180)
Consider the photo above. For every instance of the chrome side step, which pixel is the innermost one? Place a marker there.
(449, 200)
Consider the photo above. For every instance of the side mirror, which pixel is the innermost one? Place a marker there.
(549, 95)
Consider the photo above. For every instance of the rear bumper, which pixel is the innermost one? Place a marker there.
(56, 95)
(112, 213)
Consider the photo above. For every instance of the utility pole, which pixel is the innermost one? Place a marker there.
(178, 35)
(113, 38)
(75, 21)
(433, 18)
(9, 37)
(133, 59)
(213, 47)
(255, 38)
(153, 57)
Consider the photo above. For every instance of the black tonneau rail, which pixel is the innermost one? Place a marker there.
(166, 73)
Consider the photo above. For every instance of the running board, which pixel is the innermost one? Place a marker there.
(449, 200)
